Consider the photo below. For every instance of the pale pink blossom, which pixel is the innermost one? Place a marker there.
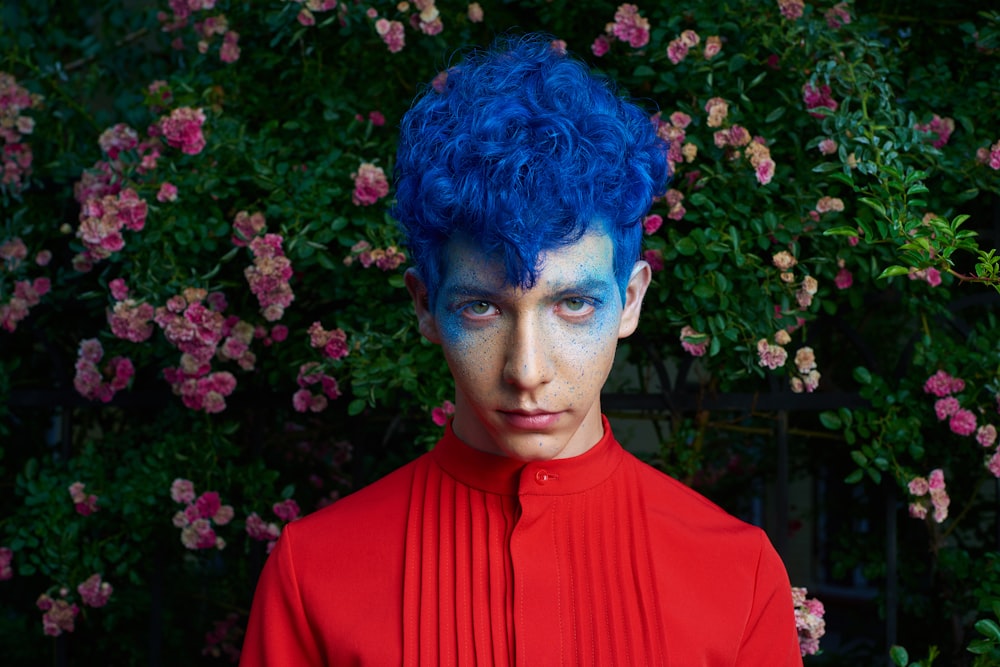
(942, 384)
(771, 356)
(791, 9)
(654, 258)
(764, 171)
(784, 260)
(694, 342)
(630, 27)
(993, 465)
(805, 359)
(6, 557)
(962, 422)
(828, 147)
(167, 192)
(713, 45)
(941, 128)
(59, 616)
(918, 486)
(94, 592)
(946, 407)
(837, 16)
(117, 139)
(918, 510)
(674, 199)
(333, 342)
(306, 17)
(370, 184)
(269, 276)
(677, 51)
(718, 110)
(230, 50)
(182, 491)
(475, 12)
(827, 204)
(809, 622)
(818, 97)
(286, 510)
(440, 414)
(392, 34)
(986, 435)
(182, 129)
(843, 279)
(84, 503)
(600, 46)
(651, 223)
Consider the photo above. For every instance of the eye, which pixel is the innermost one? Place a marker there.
(480, 309)
(577, 305)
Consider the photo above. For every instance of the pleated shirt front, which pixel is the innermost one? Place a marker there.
(467, 558)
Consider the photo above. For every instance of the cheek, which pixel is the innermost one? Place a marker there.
(587, 353)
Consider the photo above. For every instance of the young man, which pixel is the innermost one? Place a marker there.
(527, 536)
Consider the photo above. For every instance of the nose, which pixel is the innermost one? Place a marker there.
(527, 359)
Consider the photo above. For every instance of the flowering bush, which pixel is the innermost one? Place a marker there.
(194, 221)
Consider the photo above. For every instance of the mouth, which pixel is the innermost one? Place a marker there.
(530, 420)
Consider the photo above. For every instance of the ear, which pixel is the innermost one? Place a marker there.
(425, 318)
(635, 291)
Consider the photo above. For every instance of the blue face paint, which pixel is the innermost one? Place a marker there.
(529, 364)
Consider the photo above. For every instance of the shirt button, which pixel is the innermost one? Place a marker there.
(543, 476)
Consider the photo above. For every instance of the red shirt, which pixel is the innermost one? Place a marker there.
(466, 558)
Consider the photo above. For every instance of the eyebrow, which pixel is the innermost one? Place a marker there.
(586, 286)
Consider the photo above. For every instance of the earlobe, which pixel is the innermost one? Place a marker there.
(421, 304)
(635, 291)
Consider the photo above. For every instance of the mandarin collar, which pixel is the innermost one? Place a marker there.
(505, 476)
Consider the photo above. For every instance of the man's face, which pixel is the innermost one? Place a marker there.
(529, 365)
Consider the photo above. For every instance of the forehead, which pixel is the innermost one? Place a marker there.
(590, 258)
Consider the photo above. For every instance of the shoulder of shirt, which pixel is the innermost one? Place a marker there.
(382, 500)
(670, 500)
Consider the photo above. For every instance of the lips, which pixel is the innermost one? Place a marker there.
(530, 420)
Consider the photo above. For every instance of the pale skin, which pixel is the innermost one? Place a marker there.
(529, 365)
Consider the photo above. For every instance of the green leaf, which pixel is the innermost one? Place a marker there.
(862, 375)
(979, 646)
(988, 629)
(775, 115)
(894, 270)
(841, 231)
(859, 458)
(874, 204)
(854, 477)
(686, 246)
(703, 291)
(356, 407)
(830, 420)
(899, 656)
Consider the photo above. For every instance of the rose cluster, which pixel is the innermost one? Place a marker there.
(15, 153)
(387, 259)
(97, 383)
(26, 293)
(808, 620)
(84, 503)
(258, 529)
(60, 613)
(929, 493)
(198, 520)
(102, 220)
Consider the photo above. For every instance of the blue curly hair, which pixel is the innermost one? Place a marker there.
(521, 151)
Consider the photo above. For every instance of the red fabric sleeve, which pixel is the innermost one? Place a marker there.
(769, 637)
(278, 632)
